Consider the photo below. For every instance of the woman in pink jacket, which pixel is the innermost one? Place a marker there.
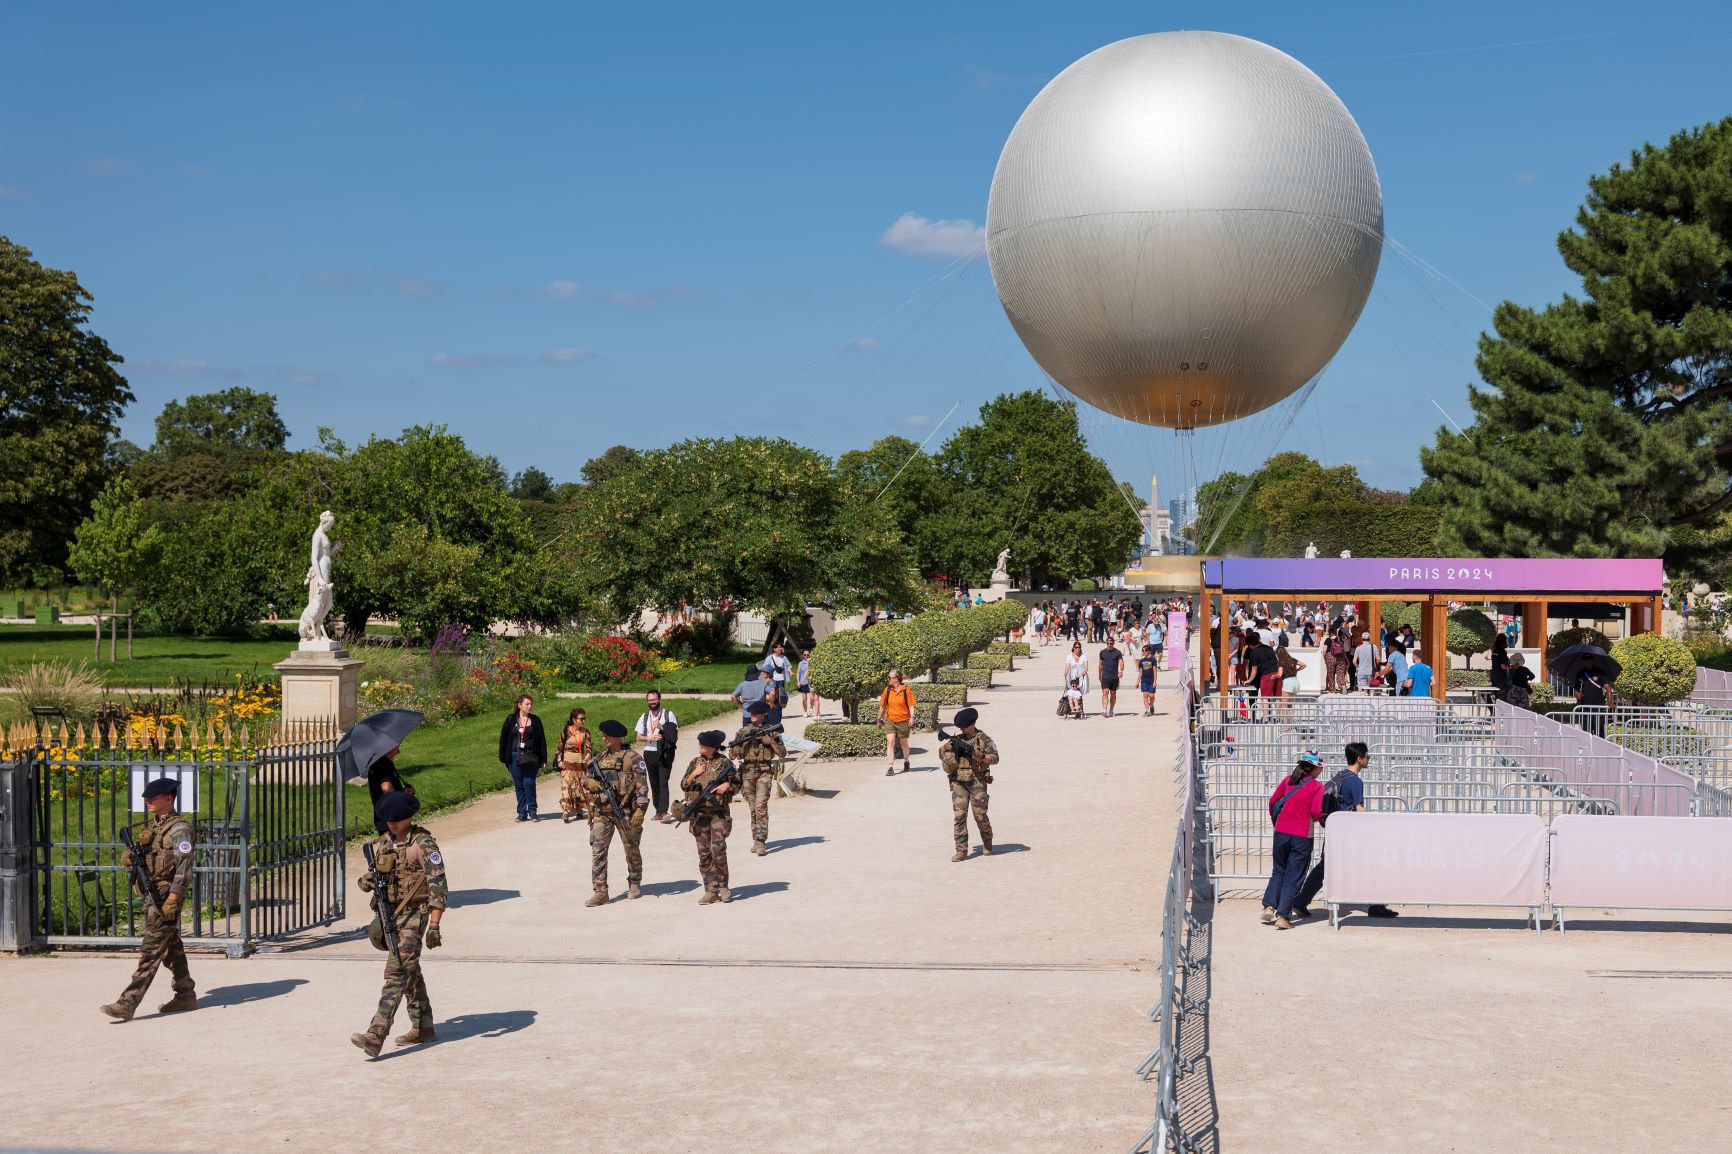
(1295, 804)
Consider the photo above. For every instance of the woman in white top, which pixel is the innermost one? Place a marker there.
(1076, 668)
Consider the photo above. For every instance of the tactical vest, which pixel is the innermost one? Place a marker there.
(404, 868)
(161, 842)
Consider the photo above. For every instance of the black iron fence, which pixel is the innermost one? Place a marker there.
(267, 813)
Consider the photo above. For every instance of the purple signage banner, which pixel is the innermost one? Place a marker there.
(1490, 575)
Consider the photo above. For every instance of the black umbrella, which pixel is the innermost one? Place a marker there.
(373, 737)
(1568, 665)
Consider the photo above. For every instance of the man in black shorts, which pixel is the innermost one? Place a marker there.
(1108, 669)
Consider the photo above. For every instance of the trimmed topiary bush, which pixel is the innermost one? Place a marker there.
(1657, 670)
(1470, 632)
(973, 678)
(954, 696)
(900, 645)
(846, 667)
(1008, 614)
(840, 739)
(1014, 648)
(990, 661)
(1564, 638)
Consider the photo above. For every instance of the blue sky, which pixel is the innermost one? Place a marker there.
(560, 227)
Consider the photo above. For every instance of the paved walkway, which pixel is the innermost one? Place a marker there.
(864, 992)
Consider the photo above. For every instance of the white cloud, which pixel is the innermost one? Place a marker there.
(417, 289)
(569, 355)
(469, 360)
(652, 300)
(563, 290)
(919, 236)
(916, 421)
(187, 367)
(866, 343)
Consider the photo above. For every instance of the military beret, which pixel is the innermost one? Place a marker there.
(612, 728)
(161, 787)
(712, 738)
(758, 708)
(966, 716)
(397, 806)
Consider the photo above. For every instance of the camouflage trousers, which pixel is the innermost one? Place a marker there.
(404, 980)
(161, 944)
(711, 833)
(964, 794)
(756, 783)
(601, 827)
(571, 791)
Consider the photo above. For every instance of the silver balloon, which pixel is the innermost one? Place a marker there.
(1184, 227)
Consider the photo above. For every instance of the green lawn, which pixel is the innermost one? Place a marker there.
(157, 659)
(449, 764)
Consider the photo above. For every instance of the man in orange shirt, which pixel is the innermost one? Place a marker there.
(896, 718)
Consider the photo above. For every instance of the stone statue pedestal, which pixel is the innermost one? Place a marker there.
(1000, 588)
(321, 684)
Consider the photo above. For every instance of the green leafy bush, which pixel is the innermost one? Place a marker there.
(1657, 670)
(840, 739)
(1470, 631)
(847, 667)
(955, 696)
(1085, 585)
(945, 639)
(1014, 648)
(901, 645)
(1009, 614)
(990, 661)
(1582, 635)
(1711, 651)
(925, 713)
(973, 678)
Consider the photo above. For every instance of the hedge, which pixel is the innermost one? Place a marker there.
(1657, 670)
(1014, 648)
(840, 739)
(846, 667)
(1366, 530)
(925, 713)
(955, 696)
(973, 678)
(990, 660)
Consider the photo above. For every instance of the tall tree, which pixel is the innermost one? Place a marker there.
(60, 404)
(532, 485)
(904, 482)
(214, 424)
(116, 545)
(598, 469)
(1608, 424)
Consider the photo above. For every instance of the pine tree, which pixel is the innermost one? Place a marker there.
(1608, 425)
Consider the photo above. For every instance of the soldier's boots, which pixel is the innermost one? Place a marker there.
(724, 894)
(599, 899)
(758, 848)
(960, 854)
(633, 890)
(709, 898)
(119, 1011)
(370, 1044)
(179, 1004)
(416, 1036)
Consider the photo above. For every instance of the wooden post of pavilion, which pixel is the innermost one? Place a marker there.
(1436, 644)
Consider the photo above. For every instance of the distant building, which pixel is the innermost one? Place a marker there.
(1157, 523)
(1180, 516)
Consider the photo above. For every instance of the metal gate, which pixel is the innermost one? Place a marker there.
(267, 819)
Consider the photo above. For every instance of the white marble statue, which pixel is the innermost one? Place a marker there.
(1311, 551)
(319, 586)
(1347, 554)
(999, 572)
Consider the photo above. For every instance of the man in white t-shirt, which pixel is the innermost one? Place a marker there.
(658, 755)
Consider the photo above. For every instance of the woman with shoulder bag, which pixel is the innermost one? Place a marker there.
(1295, 804)
(1521, 680)
(523, 753)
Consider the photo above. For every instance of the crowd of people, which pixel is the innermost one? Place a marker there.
(1262, 664)
(1132, 638)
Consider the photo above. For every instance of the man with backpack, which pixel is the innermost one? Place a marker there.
(1344, 792)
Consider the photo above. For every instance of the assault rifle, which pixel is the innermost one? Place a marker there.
(607, 791)
(388, 923)
(959, 744)
(134, 854)
(700, 804)
(753, 733)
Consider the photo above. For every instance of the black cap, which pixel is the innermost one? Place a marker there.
(758, 708)
(612, 728)
(712, 738)
(162, 787)
(966, 716)
(397, 806)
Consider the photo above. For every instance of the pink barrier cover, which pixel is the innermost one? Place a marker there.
(1178, 646)
(1655, 863)
(1443, 858)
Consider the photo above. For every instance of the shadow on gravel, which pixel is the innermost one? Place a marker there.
(463, 1026)
(999, 847)
(667, 889)
(826, 794)
(795, 842)
(249, 992)
(482, 897)
(758, 889)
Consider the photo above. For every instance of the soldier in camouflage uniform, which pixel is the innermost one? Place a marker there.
(969, 777)
(414, 873)
(758, 757)
(623, 769)
(711, 823)
(165, 845)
